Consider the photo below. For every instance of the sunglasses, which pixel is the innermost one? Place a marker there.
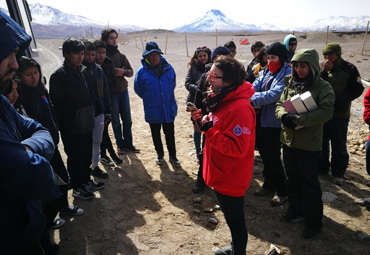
(292, 44)
(202, 48)
(213, 77)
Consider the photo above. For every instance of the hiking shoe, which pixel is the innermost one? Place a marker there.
(132, 149)
(93, 186)
(310, 232)
(338, 181)
(58, 223)
(106, 161)
(262, 192)
(174, 161)
(159, 160)
(82, 193)
(97, 172)
(117, 160)
(293, 217)
(71, 210)
(225, 251)
(120, 150)
(198, 186)
(278, 200)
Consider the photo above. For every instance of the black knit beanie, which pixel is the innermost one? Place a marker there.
(220, 51)
(279, 50)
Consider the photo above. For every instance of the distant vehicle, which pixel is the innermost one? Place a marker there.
(20, 12)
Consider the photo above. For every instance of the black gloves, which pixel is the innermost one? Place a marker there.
(287, 120)
(207, 126)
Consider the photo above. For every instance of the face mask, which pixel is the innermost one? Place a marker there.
(274, 66)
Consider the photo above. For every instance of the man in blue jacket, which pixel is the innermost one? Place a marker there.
(155, 83)
(26, 147)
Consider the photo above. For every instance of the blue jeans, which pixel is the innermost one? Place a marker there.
(121, 107)
(97, 139)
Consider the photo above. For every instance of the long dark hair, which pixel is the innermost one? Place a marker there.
(194, 59)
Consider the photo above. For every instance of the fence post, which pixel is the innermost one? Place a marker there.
(363, 46)
(216, 37)
(186, 44)
(165, 49)
(327, 34)
(141, 38)
(135, 39)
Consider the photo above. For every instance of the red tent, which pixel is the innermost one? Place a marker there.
(244, 42)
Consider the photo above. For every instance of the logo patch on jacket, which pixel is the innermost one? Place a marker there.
(359, 80)
(246, 131)
(237, 130)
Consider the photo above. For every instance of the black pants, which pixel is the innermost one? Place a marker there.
(335, 130)
(79, 151)
(269, 147)
(233, 209)
(106, 144)
(303, 188)
(169, 132)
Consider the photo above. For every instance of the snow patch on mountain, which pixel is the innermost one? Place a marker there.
(215, 19)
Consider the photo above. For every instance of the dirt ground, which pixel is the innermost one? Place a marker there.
(148, 209)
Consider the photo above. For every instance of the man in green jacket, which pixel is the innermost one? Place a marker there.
(346, 82)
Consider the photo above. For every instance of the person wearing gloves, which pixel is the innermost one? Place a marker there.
(302, 146)
(203, 86)
(229, 144)
(269, 87)
(155, 83)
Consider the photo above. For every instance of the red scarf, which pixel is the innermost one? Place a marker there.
(274, 66)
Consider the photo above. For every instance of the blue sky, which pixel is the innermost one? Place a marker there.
(169, 14)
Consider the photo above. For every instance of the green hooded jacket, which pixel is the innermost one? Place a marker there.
(309, 137)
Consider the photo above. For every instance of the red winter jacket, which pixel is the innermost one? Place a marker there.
(229, 147)
(367, 108)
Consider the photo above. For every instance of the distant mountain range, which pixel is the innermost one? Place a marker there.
(50, 22)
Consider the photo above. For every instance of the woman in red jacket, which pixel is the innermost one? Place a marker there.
(229, 148)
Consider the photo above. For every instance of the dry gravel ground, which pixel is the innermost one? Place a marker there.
(149, 209)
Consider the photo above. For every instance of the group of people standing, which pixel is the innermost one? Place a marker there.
(234, 111)
(276, 74)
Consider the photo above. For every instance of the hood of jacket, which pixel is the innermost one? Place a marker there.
(12, 36)
(287, 39)
(312, 58)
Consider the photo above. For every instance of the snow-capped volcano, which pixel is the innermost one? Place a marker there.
(215, 19)
(47, 15)
(50, 22)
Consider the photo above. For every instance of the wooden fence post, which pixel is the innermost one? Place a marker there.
(363, 46)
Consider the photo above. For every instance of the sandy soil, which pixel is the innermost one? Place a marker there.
(149, 209)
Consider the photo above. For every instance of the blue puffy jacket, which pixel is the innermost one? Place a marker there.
(267, 99)
(158, 94)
